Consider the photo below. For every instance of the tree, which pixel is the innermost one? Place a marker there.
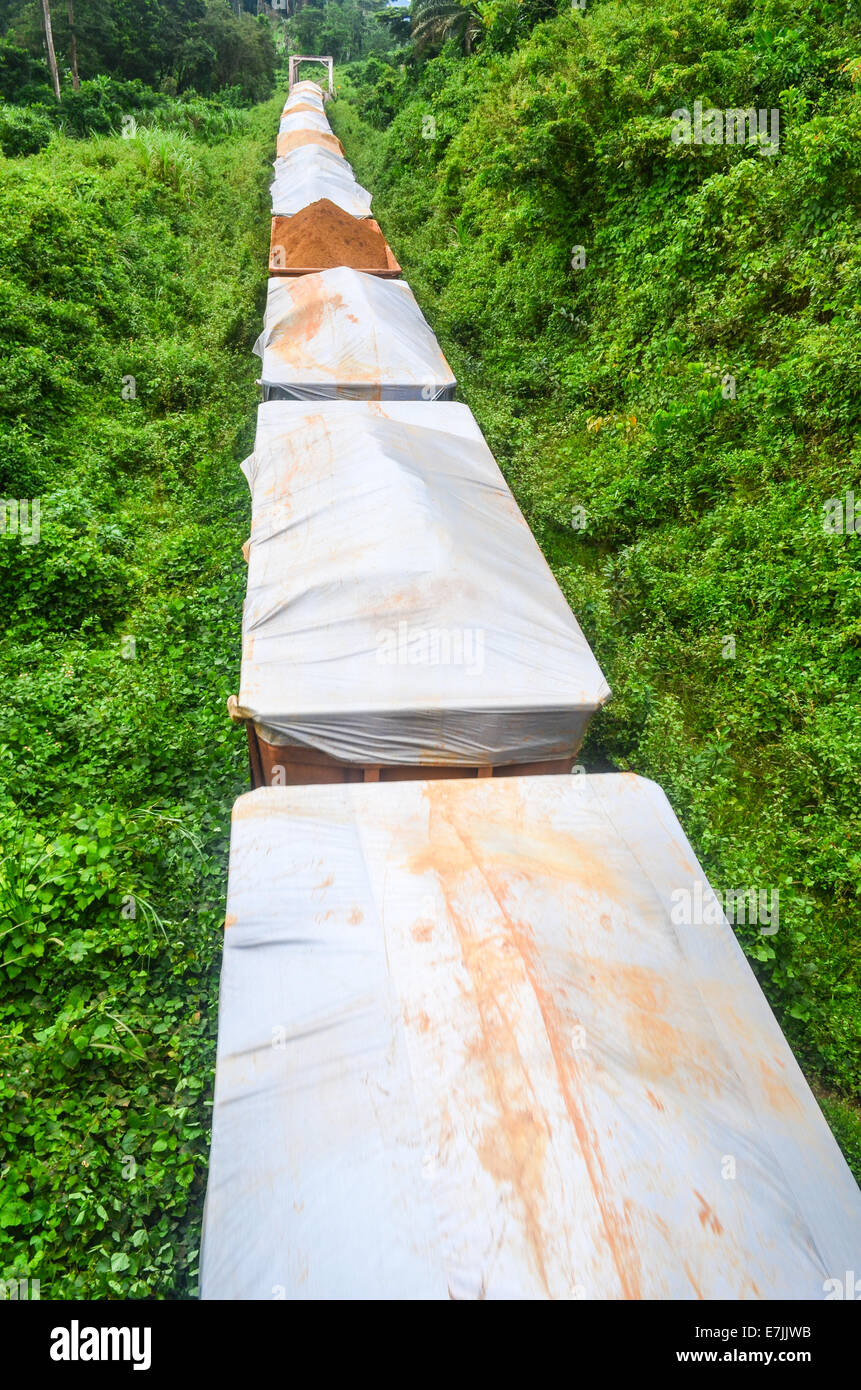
(24, 77)
(49, 44)
(224, 50)
(343, 28)
(436, 21)
(397, 20)
(73, 47)
(199, 44)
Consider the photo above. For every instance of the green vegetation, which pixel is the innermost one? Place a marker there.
(161, 62)
(131, 287)
(608, 388)
(172, 45)
(342, 29)
(105, 106)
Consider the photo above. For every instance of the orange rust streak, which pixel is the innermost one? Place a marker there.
(514, 1150)
(623, 1250)
(706, 1215)
(780, 1095)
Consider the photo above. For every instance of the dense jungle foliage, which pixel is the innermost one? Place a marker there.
(125, 57)
(684, 388)
(131, 280)
(169, 44)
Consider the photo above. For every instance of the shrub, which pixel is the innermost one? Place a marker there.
(24, 130)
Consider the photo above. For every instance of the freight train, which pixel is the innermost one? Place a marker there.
(468, 1045)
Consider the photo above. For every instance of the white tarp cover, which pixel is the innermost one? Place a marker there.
(464, 1051)
(304, 120)
(343, 333)
(398, 607)
(313, 179)
(307, 159)
(304, 98)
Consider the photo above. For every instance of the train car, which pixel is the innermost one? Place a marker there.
(469, 1048)
(299, 188)
(311, 173)
(304, 120)
(345, 334)
(297, 162)
(303, 101)
(290, 140)
(322, 236)
(400, 619)
(309, 88)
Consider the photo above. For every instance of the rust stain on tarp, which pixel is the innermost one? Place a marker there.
(521, 1130)
(306, 308)
(513, 1147)
(693, 1283)
(507, 1159)
(781, 1095)
(314, 326)
(707, 1216)
(298, 338)
(283, 460)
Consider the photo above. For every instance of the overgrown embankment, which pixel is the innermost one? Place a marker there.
(662, 343)
(132, 278)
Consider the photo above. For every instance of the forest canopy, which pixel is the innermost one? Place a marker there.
(173, 46)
